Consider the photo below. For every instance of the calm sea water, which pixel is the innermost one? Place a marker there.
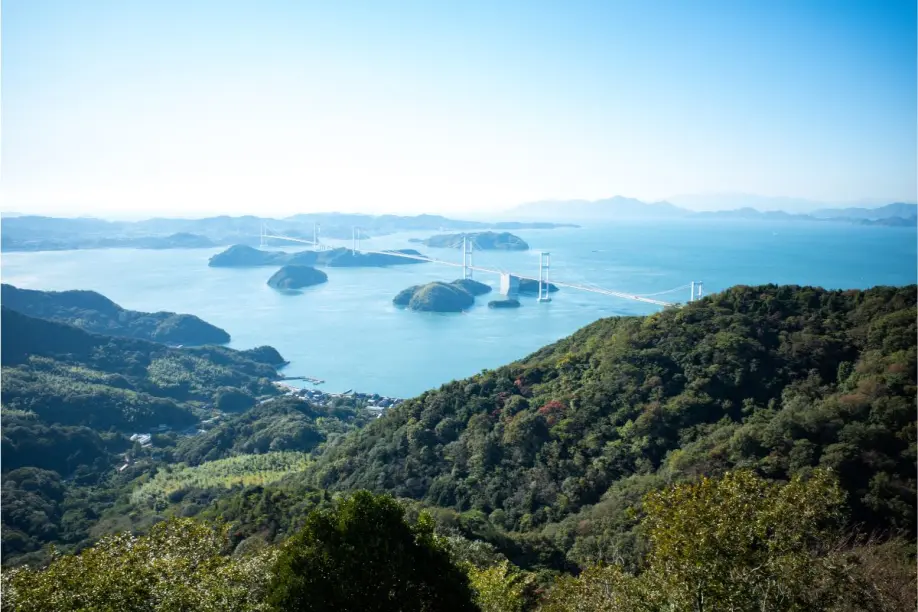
(348, 333)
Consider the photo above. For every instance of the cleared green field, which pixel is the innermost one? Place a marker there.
(223, 473)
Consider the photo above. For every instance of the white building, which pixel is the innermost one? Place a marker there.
(509, 285)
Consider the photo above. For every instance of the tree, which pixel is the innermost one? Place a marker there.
(363, 555)
(742, 543)
(745, 544)
(500, 587)
(229, 399)
(178, 567)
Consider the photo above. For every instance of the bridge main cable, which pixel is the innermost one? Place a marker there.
(582, 287)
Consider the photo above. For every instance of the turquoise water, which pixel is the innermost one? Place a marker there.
(348, 333)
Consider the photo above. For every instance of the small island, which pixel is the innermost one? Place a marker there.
(439, 296)
(472, 286)
(531, 287)
(482, 241)
(507, 303)
(243, 256)
(292, 277)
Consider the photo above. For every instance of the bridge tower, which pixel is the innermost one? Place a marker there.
(315, 236)
(697, 291)
(467, 246)
(544, 265)
(355, 239)
(691, 297)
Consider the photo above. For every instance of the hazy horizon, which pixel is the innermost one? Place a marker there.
(685, 201)
(139, 109)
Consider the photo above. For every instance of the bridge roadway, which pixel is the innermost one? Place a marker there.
(444, 262)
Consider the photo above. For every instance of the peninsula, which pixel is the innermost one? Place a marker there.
(93, 312)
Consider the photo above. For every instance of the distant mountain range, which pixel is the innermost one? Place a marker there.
(734, 201)
(36, 233)
(897, 209)
(619, 208)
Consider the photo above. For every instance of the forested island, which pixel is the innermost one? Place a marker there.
(528, 286)
(505, 303)
(456, 296)
(484, 241)
(596, 473)
(292, 276)
(95, 313)
(242, 256)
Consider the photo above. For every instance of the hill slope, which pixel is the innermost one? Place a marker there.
(780, 379)
(72, 398)
(70, 377)
(96, 313)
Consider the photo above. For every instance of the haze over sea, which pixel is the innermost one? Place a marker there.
(348, 333)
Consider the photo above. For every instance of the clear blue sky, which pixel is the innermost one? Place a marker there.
(267, 106)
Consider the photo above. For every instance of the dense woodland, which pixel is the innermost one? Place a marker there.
(94, 312)
(754, 450)
(71, 401)
(563, 444)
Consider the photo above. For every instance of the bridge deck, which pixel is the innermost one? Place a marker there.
(444, 262)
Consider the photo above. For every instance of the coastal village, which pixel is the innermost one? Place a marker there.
(374, 403)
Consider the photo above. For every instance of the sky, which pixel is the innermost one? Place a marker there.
(121, 107)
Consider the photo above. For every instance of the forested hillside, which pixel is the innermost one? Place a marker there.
(564, 443)
(96, 313)
(736, 453)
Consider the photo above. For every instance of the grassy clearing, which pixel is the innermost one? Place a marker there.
(221, 474)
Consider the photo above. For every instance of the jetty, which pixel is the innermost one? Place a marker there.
(310, 379)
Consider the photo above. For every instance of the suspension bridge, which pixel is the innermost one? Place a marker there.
(696, 288)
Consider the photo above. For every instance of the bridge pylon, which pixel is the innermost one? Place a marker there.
(544, 265)
(355, 239)
(697, 291)
(467, 246)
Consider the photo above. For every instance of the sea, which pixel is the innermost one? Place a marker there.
(347, 332)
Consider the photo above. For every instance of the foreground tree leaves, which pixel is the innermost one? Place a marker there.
(737, 543)
(364, 556)
(178, 567)
(742, 543)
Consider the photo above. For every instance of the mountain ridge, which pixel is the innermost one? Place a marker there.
(780, 379)
(93, 312)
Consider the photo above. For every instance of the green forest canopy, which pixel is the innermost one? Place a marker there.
(777, 379)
